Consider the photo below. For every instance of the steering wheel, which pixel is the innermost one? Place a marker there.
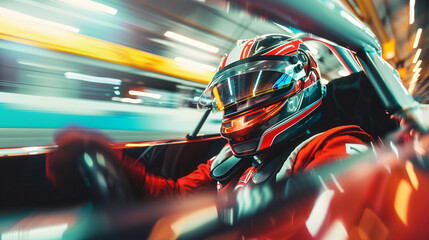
(101, 174)
(84, 163)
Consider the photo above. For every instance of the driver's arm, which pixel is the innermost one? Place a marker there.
(148, 184)
(63, 171)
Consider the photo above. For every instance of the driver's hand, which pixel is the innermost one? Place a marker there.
(62, 168)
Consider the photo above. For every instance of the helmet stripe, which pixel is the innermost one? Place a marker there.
(246, 49)
(224, 61)
(285, 48)
(268, 137)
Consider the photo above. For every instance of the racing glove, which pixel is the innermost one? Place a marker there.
(83, 163)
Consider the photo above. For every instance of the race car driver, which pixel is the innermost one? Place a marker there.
(270, 92)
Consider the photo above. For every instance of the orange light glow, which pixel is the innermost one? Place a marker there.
(412, 175)
(70, 42)
(218, 101)
(402, 198)
(236, 124)
(241, 123)
(137, 144)
(389, 49)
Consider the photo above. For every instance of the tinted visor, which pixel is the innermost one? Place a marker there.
(251, 80)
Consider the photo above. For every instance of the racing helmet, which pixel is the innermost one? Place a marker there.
(269, 90)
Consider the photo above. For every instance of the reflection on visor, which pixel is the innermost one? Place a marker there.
(242, 87)
(250, 80)
(219, 103)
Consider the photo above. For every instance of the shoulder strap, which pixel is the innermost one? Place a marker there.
(226, 165)
(267, 170)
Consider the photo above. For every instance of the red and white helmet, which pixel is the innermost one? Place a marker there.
(269, 89)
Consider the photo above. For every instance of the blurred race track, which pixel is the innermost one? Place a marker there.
(29, 120)
(16, 137)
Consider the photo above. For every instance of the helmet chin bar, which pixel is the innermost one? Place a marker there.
(287, 135)
(284, 129)
(297, 114)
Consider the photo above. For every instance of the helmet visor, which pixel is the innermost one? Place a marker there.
(251, 80)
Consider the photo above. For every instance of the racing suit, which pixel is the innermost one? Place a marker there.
(334, 144)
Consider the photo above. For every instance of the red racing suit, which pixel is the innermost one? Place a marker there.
(334, 144)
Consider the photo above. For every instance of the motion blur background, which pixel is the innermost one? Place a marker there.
(136, 68)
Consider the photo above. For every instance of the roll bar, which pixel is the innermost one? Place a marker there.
(330, 20)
